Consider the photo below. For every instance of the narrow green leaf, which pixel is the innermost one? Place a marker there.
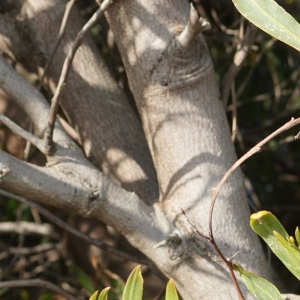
(259, 287)
(171, 293)
(297, 236)
(271, 18)
(289, 255)
(95, 296)
(264, 223)
(267, 226)
(134, 286)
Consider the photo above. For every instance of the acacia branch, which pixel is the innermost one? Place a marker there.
(23, 133)
(68, 9)
(251, 152)
(29, 99)
(65, 71)
(192, 29)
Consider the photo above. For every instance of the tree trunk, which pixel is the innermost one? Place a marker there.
(183, 122)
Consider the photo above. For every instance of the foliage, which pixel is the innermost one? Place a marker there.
(261, 288)
(267, 226)
(272, 18)
(134, 288)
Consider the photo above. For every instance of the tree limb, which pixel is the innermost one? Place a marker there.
(64, 74)
(105, 247)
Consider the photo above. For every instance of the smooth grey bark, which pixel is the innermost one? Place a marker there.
(183, 122)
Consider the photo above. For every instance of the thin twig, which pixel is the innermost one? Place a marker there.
(194, 227)
(258, 58)
(243, 49)
(37, 282)
(49, 145)
(251, 152)
(234, 113)
(23, 133)
(24, 227)
(65, 226)
(61, 33)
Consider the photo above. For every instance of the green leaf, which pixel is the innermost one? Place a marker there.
(264, 223)
(134, 286)
(267, 226)
(171, 293)
(102, 296)
(289, 255)
(84, 280)
(297, 236)
(259, 287)
(271, 18)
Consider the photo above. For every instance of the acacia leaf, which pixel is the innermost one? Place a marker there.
(171, 292)
(267, 226)
(134, 285)
(271, 18)
(259, 287)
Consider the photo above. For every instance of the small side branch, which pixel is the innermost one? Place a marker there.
(49, 146)
(23, 133)
(243, 49)
(193, 28)
(251, 152)
(68, 9)
(105, 247)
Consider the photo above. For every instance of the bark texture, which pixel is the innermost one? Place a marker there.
(183, 122)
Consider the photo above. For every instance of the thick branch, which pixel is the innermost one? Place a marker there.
(97, 109)
(65, 226)
(76, 185)
(29, 99)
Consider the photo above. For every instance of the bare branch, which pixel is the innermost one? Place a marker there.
(105, 247)
(251, 152)
(23, 227)
(65, 71)
(37, 282)
(193, 28)
(293, 122)
(23, 133)
(243, 48)
(29, 99)
(69, 6)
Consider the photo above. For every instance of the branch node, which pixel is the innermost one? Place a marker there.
(233, 256)
(49, 146)
(3, 172)
(192, 29)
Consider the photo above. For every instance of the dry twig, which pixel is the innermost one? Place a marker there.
(49, 145)
(65, 226)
